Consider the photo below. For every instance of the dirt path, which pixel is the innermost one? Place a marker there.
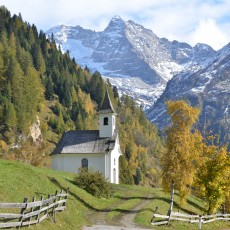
(125, 222)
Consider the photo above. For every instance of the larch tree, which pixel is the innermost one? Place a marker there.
(213, 176)
(2, 68)
(11, 116)
(179, 161)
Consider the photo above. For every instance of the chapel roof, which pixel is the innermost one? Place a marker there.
(84, 141)
(107, 106)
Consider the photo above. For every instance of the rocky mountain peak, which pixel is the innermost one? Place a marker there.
(224, 51)
(116, 23)
(202, 46)
(117, 19)
(152, 69)
(126, 49)
(203, 53)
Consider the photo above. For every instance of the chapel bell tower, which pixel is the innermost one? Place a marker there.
(107, 118)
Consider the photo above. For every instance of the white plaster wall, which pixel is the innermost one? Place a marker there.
(101, 162)
(115, 154)
(107, 130)
(107, 167)
(57, 162)
(72, 162)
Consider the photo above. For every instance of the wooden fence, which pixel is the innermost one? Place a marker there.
(185, 217)
(188, 218)
(33, 212)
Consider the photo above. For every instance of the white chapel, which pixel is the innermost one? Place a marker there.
(97, 149)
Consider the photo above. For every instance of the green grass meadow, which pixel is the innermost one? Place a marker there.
(19, 180)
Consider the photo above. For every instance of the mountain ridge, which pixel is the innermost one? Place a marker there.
(208, 88)
(152, 69)
(125, 49)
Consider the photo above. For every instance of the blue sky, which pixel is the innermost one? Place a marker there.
(194, 21)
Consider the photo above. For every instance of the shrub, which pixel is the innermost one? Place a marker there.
(93, 182)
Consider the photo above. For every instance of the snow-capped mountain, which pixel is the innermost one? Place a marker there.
(208, 88)
(128, 53)
(144, 66)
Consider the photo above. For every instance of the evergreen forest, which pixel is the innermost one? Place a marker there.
(44, 88)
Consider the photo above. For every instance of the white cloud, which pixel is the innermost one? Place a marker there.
(207, 30)
(187, 21)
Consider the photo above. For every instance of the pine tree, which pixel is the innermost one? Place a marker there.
(137, 177)
(60, 124)
(73, 94)
(12, 44)
(79, 122)
(97, 88)
(2, 68)
(49, 88)
(38, 59)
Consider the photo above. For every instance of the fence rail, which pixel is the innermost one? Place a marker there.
(185, 217)
(33, 212)
(189, 218)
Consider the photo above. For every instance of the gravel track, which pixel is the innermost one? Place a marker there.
(125, 222)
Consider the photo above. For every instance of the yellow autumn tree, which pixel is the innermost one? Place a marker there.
(3, 148)
(213, 176)
(227, 200)
(182, 143)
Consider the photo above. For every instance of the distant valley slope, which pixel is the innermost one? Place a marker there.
(208, 88)
(148, 68)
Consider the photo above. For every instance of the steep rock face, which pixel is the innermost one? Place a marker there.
(35, 132)
(207, 88)
(125, 50)
(141, 64)
(64, 33)
(116, 54)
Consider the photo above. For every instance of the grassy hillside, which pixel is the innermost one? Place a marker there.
(18, 180)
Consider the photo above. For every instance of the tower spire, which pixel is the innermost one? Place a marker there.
(107, 106)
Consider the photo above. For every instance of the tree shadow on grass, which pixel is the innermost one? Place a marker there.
(196, 205)
(105, 210)
(177, 206)
(54, 181)
(41, 194)
(123, 199)
(134, 197)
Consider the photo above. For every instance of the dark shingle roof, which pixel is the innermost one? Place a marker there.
(107, 106)
(84, 141)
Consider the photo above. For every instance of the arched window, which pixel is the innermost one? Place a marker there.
(84, 163)
(106, 121)
(114, 161)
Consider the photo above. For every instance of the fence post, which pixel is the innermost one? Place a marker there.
(171, 203)
(66, 197)
(32, 209)
(59, 198)
(30, 212)
(54, 207)
(25, 201)
(48, 203)
(37, 217)
(156, 210)
(200, 221)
